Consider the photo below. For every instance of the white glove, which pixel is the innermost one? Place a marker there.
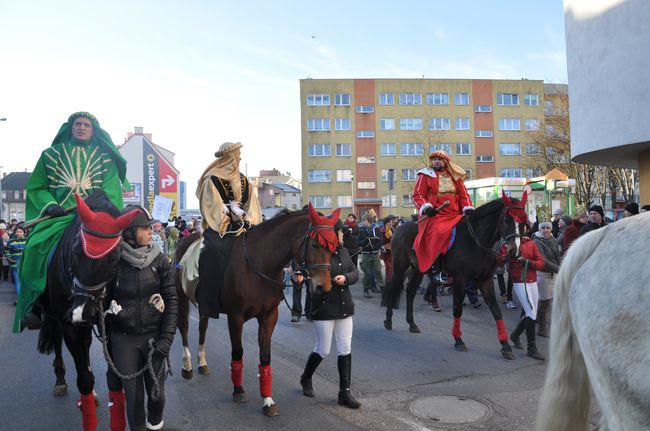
(113, 308)
(157, 302)
(235, 207)
(225, 210)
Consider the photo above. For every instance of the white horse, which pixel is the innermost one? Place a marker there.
(600, 333)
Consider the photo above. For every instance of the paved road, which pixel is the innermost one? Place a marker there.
(391, 371)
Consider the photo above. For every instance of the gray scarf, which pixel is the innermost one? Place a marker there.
(140, 257)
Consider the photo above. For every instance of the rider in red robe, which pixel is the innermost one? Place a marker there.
(440, 182)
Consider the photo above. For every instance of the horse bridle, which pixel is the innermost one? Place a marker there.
(304, 266)
(472, 233)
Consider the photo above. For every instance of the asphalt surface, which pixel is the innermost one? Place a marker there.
(393, 373)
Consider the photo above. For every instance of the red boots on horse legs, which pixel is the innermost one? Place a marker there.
(88, 412)
(116, 404)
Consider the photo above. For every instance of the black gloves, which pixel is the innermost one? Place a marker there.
(162, 346)
(55, 211)
(431, 211)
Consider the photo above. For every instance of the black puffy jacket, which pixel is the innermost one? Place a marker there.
(337, 304)
(133, 290)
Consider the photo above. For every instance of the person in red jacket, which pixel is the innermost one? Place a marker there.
(442, 181)
(573, 231)
(523, 271)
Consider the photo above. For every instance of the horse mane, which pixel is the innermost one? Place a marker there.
(184, 243)
(487, 209)
(272, 223)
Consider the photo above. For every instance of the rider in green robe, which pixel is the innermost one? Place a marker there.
(82, 159)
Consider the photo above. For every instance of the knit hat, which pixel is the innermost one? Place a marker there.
(547, 224)
(598, 209)
(3, 226)
(567, 220)
(632, 208)
(558, 212)
(645, 207)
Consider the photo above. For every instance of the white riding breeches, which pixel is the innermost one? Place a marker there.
(528, 296)
(341, 328)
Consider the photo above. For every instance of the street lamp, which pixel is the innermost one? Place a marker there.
(1, 186)
(352, 195)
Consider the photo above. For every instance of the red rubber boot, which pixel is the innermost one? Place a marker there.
(88, 412)
(116, 403)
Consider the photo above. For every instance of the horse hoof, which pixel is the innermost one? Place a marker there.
(60, 390)
(203, 369)
(240, 398)
(414, 329)
(508, 355)
(271, 411)
(460, 345)
(388, 325)
(187, 374)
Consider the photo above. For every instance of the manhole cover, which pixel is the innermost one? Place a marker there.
(449, 409)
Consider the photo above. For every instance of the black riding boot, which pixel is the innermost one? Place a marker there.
(514, 336)
(305, 380)
(345, 374)
(439, 276)
(32, 320)
(530, 334)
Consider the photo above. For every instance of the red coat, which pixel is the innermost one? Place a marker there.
(528, 250)
(434, 233)
(571, 233)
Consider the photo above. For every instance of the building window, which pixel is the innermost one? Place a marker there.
(440, 147)
(531, 124)
(387, 124)
(533, 150)
(344, 150)
(507, 99)
(383, 175)
(343, 175)
(407, 201)
(483, 108)
(464, 149)
(319, 150)
(344, 201)
(16, 195)
(318, 124)
(511, 172)
(365, 134)
(408, 174)
(533, 172)
(342, 99)
(410, 123)
(388, 149)
(510, 149)
(484, 133)
(509, 124)
(411, 149)
(389, 201)
(342, 124)
(386, 99)
(484, 159)
(531, 100)
(410, 99)
(462, 123)
(440, 124)
(318, 100)
(548, 107)
(319, 176)
(321, 201)
(461, 99)
(437, 98)
(365, 109)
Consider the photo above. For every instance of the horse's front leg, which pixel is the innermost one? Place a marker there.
(183, 328)
(235, 326)
(487, 290)
(78, 340)
(60, 386)
(411, 290)
(265, 332)
(459, 295)
(203, 328)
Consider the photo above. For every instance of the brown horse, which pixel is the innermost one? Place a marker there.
(252, 287)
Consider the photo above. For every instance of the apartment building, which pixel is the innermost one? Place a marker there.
(359, 134)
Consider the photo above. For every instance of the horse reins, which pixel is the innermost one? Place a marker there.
(472, 233)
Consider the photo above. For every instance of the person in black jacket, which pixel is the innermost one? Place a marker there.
(350, 234)
(332, 314)
(146, 294)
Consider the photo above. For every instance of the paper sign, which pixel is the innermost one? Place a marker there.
(162, 207)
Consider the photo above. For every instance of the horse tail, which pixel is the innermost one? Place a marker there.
(48, 336)
(565, 400)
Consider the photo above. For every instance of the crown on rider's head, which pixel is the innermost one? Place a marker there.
(227, 147)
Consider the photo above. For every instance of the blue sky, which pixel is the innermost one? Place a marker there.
(198, 73)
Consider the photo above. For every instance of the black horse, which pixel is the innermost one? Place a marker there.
(470, 258)
(84, 264)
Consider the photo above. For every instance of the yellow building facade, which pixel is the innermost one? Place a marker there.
(358, 133)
